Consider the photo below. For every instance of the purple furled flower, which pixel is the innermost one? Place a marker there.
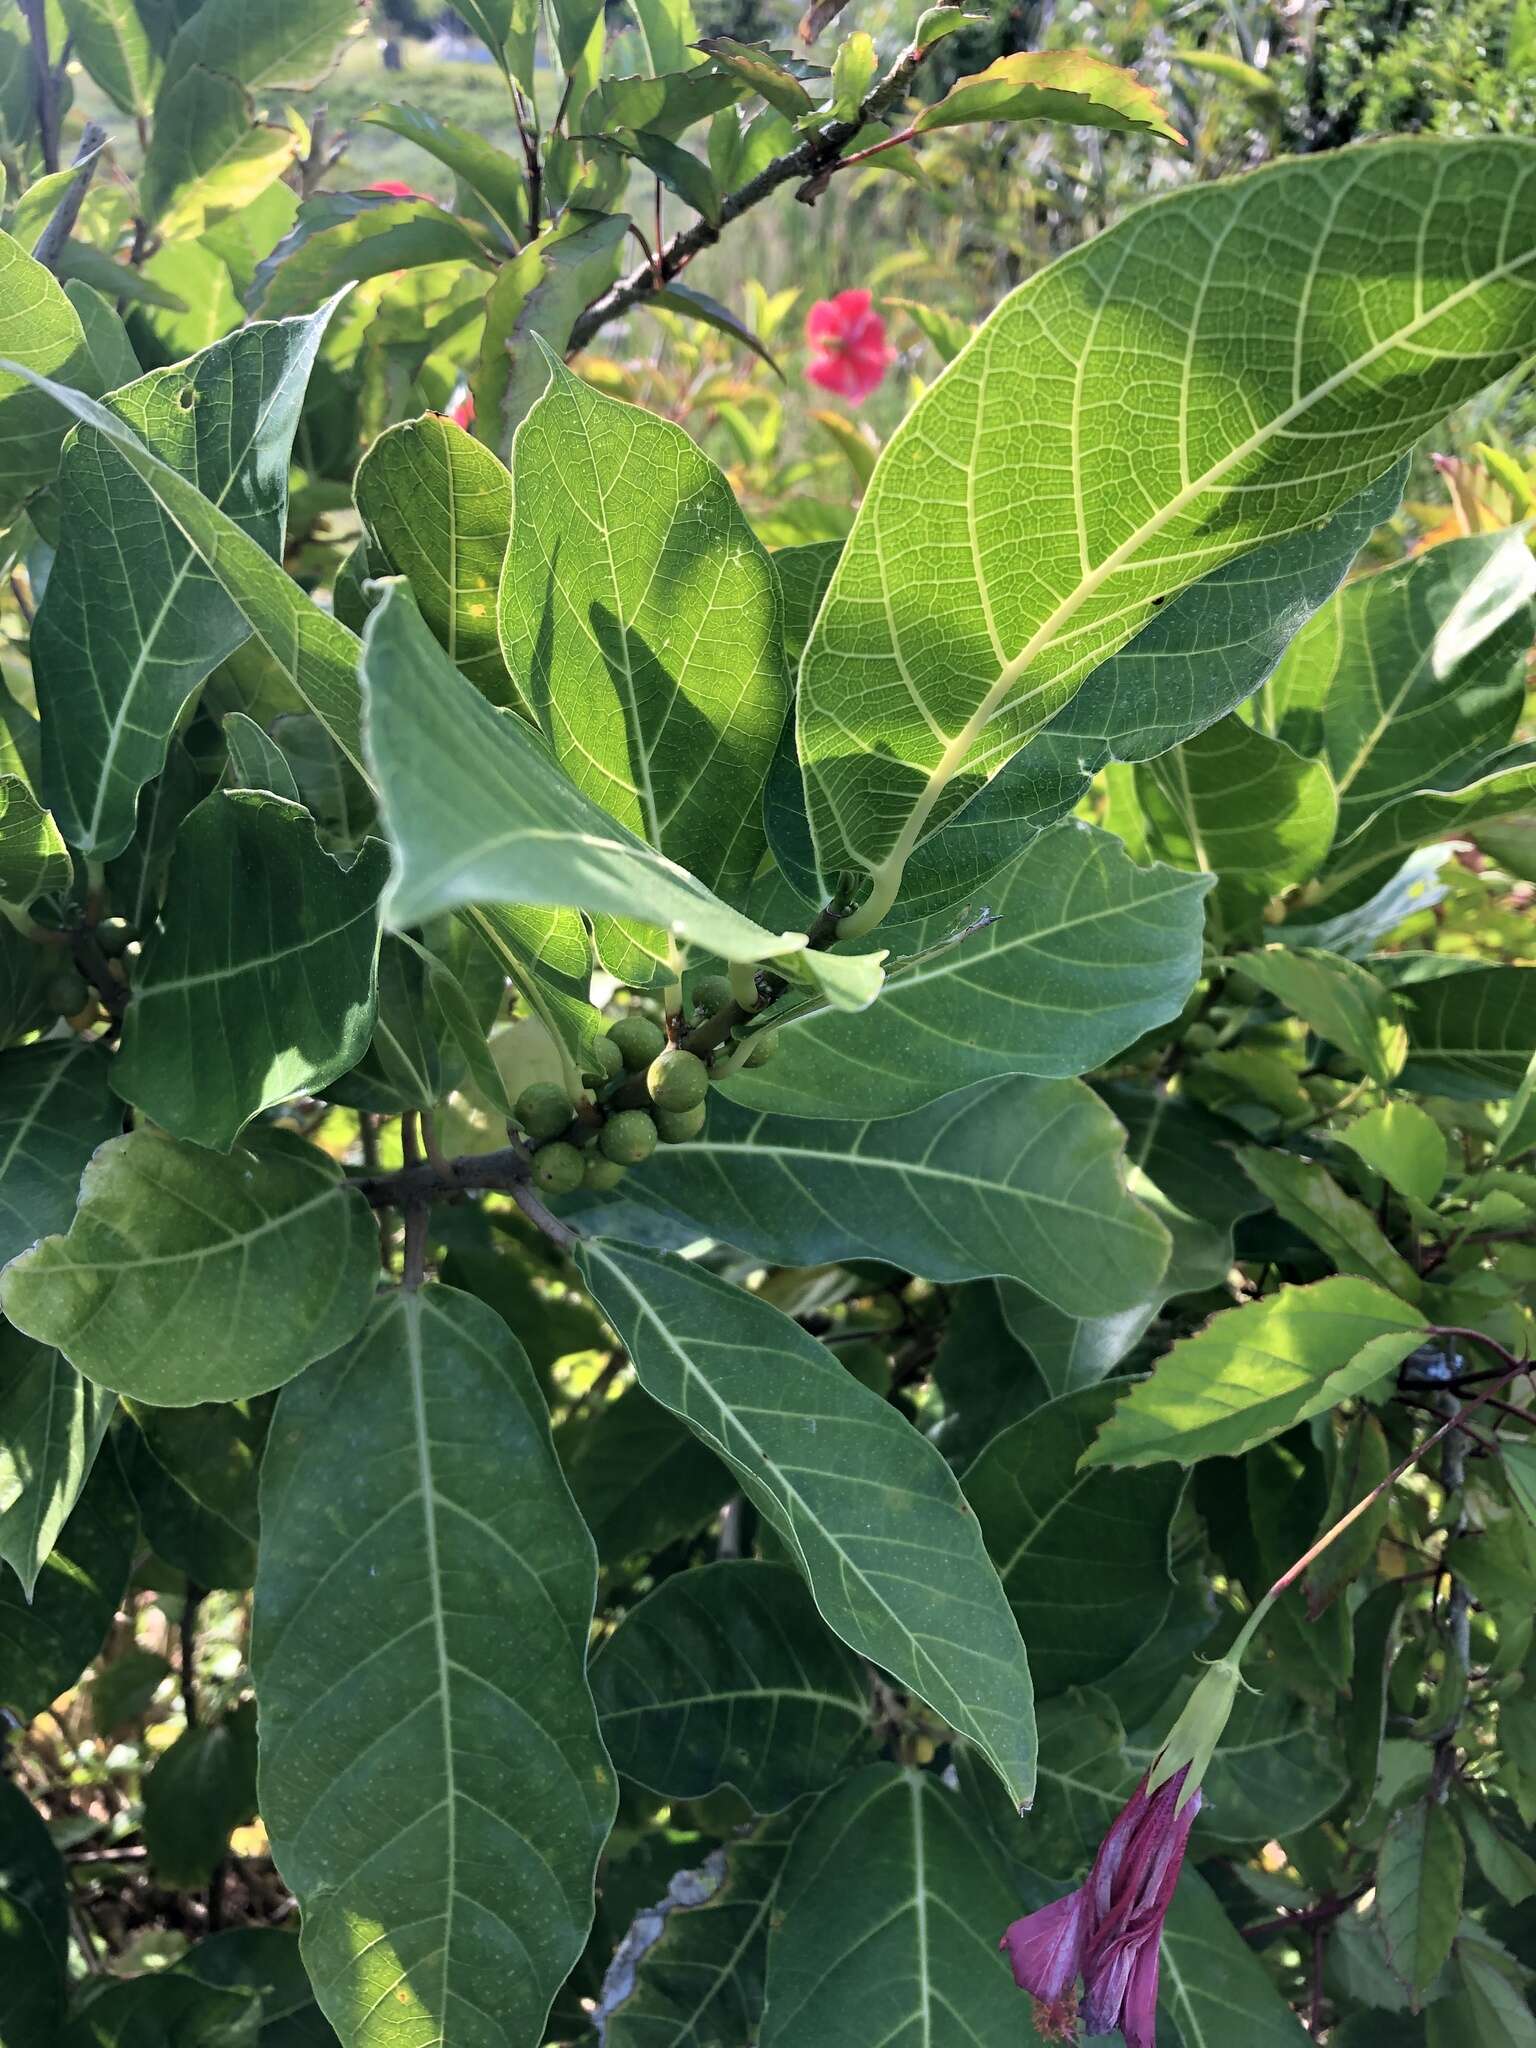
(1107, 1932)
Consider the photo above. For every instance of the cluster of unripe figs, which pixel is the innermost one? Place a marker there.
(593, 1149)
(68, 993)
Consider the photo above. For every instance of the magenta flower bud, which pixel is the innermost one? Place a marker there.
(1109, 1930)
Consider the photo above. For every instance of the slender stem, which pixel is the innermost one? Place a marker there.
(189, 1613)
(418, 1214)
(557, 1232)
(49, 246)
(818, 153)
(46, 82)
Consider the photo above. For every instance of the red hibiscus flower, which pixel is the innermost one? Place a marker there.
(1109, 1930)
(462, 411)
(849, 353)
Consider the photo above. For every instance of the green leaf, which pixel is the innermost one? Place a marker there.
(264, 1960)
(1254, 1371)
(1392, 691)
(697, 305)
(268, 950)
(500, 180)
(257, 762)
(209, 157)
(886, 1923)
(1472, 1034)
(701, 1981)
(761, 70)
(1365, 863)
(55, 1109)
(1066, 86)
(146, 2012)
(439, 1814)
(478, 812)
(33, 858)
(640, 1478)
(1307, 1195)
(174, 1252)
(51, 1426)
(728, 1676)
(1087, 952)
(920, 682)
(32, 1872)
(201, 1522)
(1235, 804)
(109, 39)
(1510, 1869)
(40, 332)
(1492, 2009)
(1341, 1001)
(1014, 1177)
(32, 1980)
(344, 237)
(1419, 1872)
(47, 1641)
(195, 1793)
(106, 338)
(286, 45)
(838, 1473)
(437, 505)
(539, 296)
(1215, 1990)
(1083, 1556)
(854, 70)
(640, 619)
(132, 622)
(678, 169)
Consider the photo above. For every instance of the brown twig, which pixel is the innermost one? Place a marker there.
(802, 164)
(47, 83)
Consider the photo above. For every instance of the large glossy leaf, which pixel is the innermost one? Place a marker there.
(1412, 676)
(701, 1981)
(209, 157)
(260, 983)
(109, 38)
(1274, 1773)
(47, 1641)
(1198, 657)
(192, 1276)
(1015, 1177)
(477, 811)
(1471, 1034)
(1215, 1990)
(51, 1425)
(40, 332)
(1083, 1556)
(640, 617)
(287, 45)
(1254, 1371)
(437, 506)
(165, 2006)
(728, 1676)
(1234, 803)
(1341, 1000)
(132, 623)
(311, 648)
(55, 1109)
(1365, 863)
(431, 1770)
(1088, 951)
(886, 1924)
(981, 584)
(869, 1510)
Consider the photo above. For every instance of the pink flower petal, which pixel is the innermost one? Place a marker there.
(1045, 1948)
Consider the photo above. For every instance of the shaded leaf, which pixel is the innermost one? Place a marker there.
(195, 1793)
(1306, 1194)
(175, 1251)
(1471, 1034)
(1341, 1001)
(55, 1109)
(47, 1641)
(1418, 1891)
(51, 1426)
(1214, 1988)
(40, 331)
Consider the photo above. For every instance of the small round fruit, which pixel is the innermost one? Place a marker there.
(677, 1079)
(607, 1061)
(1201, 1038)
(67, 993)
(543, 1110)
(677, 1126)
(599, 1175)
(115, 935)
(711, 992)
(558, 1168)
(628, 1138)
(638, 1040)
(764, 1046)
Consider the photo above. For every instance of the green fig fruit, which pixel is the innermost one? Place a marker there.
(676, 1126)
(711, 992)
(607, 1062)
(67, 992)
(558, 1168)
(543, 1110)
(114, 935)
(638, 1040)
(764, 1046)
(628, 1138)
(599, 1175)
(677, 1079)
